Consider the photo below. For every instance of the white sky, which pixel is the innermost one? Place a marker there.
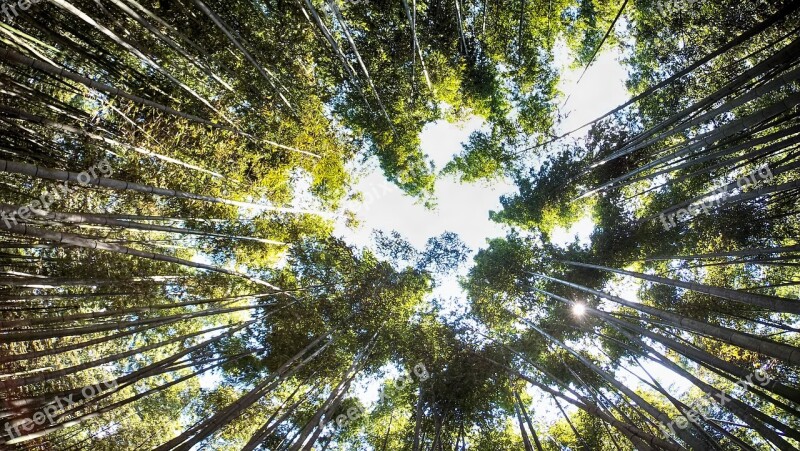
(464, 208)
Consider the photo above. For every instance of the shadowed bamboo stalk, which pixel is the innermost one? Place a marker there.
(85, 218)
(92, 243)
(787, 353)
(120, 185)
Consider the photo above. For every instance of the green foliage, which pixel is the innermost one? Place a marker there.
(203, 279)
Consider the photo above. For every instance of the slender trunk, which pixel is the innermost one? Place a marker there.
(13, 57)
(119, 185)
(91, 243)
(628, 430)
(10, 337)
(411, 15)
(264, 430)
(388, 430)
(780, 16)
(62, 424)
(727, 130)
(54, 375)
(123, 312)
(29, 356)
(525, 441)
(689, 438)
(133, 50)
(312, 429)
(702, 357)
(17, 113)
(78, 396)
(352, 43)
(730, 187)
(749, 415)
(774, 304)
(170, 42)
(746, 252)
(528, 420)
(777, 59)
(266, 73)
(418, 421)
(85, 218)
(205, 428)
(746, 341)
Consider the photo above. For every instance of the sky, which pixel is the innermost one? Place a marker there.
(464, 208)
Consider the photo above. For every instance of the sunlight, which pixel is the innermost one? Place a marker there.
(359, 225)
(580, 232)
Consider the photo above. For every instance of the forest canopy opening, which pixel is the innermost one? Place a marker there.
(420, 225)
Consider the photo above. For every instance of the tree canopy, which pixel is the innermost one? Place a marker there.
(173, 173)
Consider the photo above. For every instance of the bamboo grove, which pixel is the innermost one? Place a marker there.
(172, 172)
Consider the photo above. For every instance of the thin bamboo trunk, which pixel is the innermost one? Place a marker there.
(772, 303)
(746, 341)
